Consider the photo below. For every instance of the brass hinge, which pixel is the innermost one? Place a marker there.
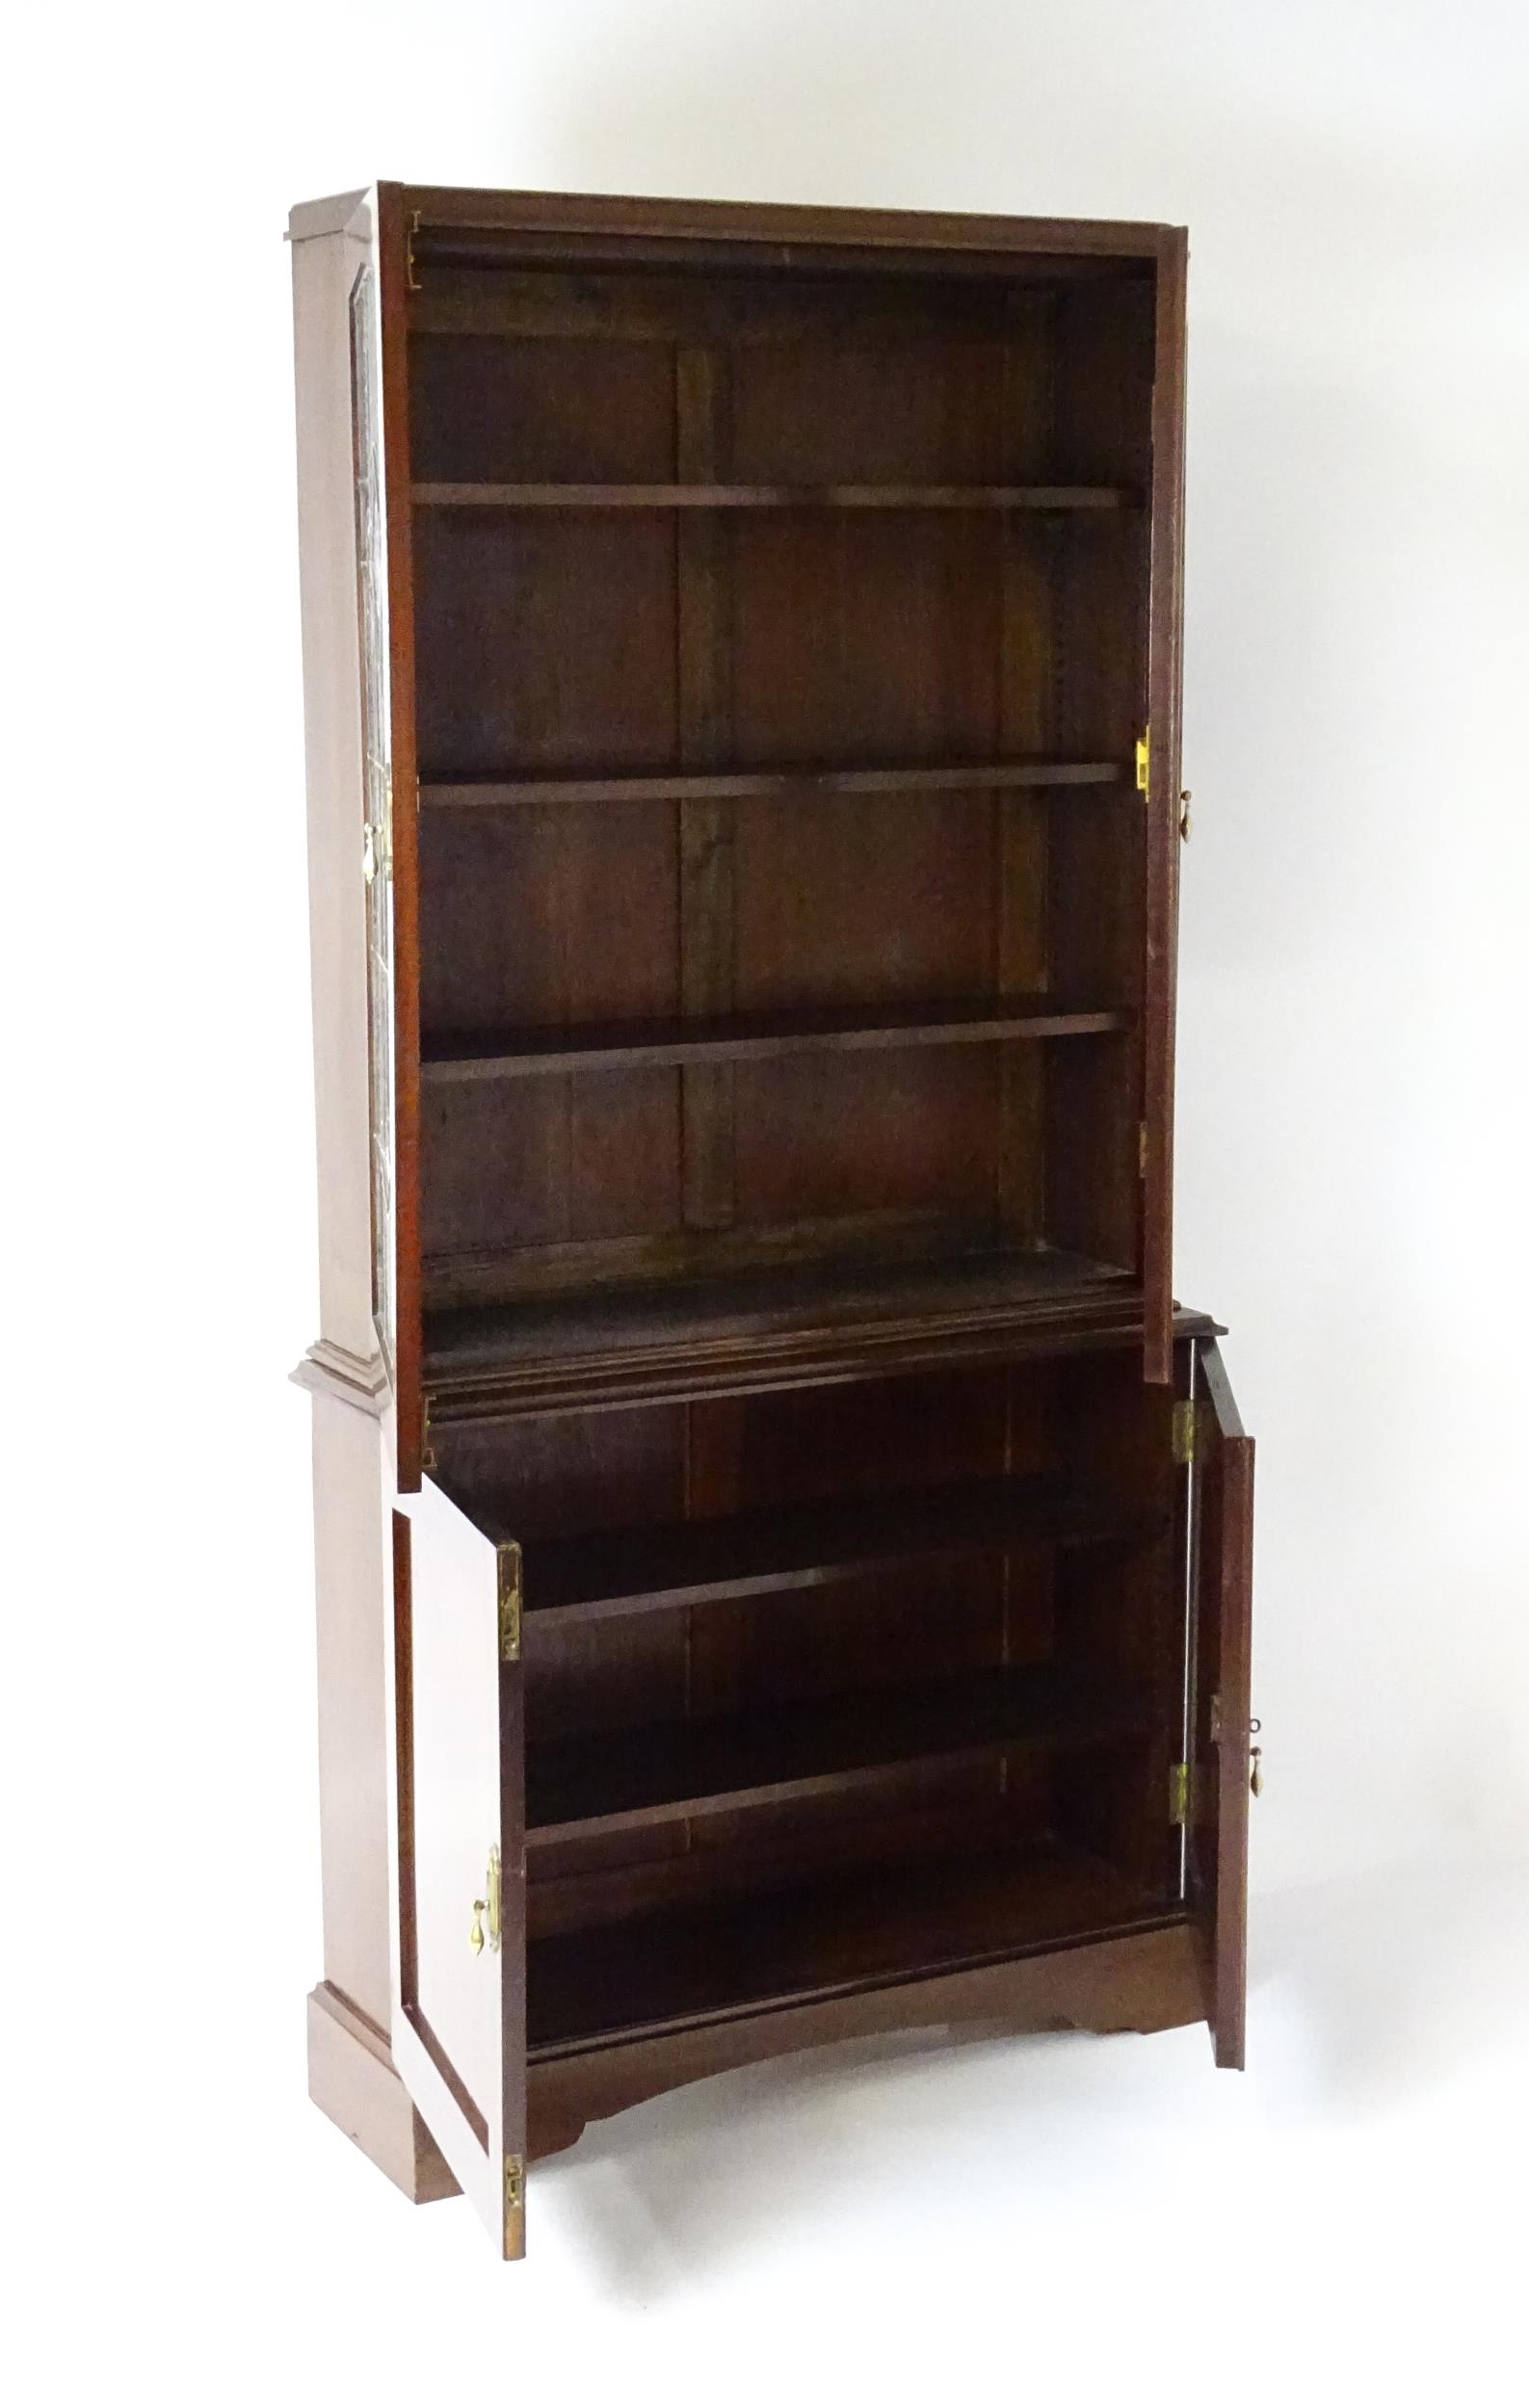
(427, 1452)
(508, 1554)
(515, 2205)
(1181, 1793)
(1184, 1431)
(1141, 1149)
(1144, 759)
(410, 270)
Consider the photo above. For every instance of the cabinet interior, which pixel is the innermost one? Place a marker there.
(780, 653)
(833, 1684)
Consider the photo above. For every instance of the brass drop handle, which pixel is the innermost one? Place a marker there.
(1255, 1761)
(1185, 823)
(491, 1906)
(375, 851)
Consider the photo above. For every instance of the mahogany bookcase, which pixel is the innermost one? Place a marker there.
(783, 1557)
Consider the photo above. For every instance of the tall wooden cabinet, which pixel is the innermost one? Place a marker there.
(783, 1555)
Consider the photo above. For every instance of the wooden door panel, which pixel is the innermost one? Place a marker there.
(1218, 1828)
(459, 2012)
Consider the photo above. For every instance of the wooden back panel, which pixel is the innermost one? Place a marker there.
(599, 645)
(1105, 1615)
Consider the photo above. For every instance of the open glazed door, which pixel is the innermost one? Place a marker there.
(387, 839)
(1218, 1827)
(1157, 774)
(458, 2007)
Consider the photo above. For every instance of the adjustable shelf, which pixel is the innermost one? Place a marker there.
(804, 784)
(673, 1773)
(756, 1036)
(609, 1573)
(815, 1939)
(459, 495)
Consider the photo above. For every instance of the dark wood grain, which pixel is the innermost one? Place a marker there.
(666, 305)
(587, 675)
(768, 1330)
(1141, 1981)
(515, 1932)
(502, 409)
(759, 1554)
(703, 676)
(666, 1771)
(757, 497)
(936, 636)
(805, 784)
(786, 1061)
(630, 225)
(1218, 1844)
(658, 1972)
(797, 1323)
(1021, 835)
(758, 1036)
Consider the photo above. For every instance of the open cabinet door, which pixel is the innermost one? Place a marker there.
(458, 2007)
(1217, 1867)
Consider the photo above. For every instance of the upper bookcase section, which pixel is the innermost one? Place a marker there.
(783, 737)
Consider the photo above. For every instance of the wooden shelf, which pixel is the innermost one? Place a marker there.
(807, 784)
(767, 1329)
(814, 1939)
(781, 497)
(756, 1036)
(672, 1772)
(609, 1573)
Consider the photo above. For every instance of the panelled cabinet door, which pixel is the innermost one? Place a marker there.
(459, 2010)
(1218, 1827)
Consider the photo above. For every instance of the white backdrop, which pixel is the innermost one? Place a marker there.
(1353, 1113)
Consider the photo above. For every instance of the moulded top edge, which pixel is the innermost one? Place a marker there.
(448, 207)
(306, 219)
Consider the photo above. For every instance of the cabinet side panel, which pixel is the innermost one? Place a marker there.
(323, 269)
(353, 1703)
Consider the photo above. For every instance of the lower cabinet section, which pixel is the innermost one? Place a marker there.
(741, 1725)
